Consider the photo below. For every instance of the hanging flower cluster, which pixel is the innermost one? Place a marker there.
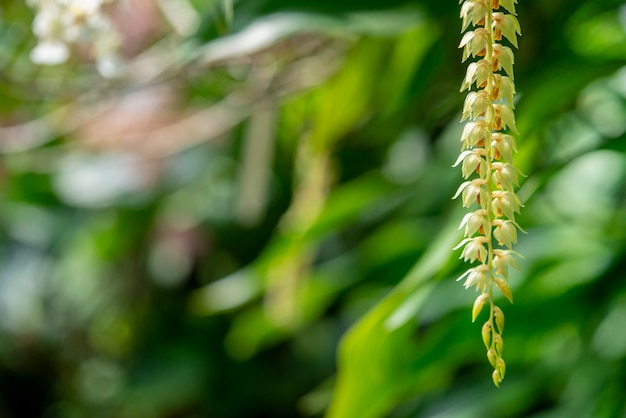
(486, 163)
(61, 24)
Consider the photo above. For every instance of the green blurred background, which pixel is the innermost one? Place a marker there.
(256, 220)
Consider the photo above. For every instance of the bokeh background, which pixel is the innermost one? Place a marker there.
(255, 218)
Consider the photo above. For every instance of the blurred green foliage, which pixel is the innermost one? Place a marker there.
(256, 221)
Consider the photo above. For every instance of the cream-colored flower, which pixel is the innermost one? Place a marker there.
(506, 25)
(504, 117)
(505, 203)
(505, 232)
(478, 72)
(476, 104)
(503, 88)
(503, 59)
(472, 192)
(476, 276)
(473, 249)
(473, 12)
(503, 259)
(473, 162)
(504, 175)
(474, 43)
(474, 133)
(503, 146)
(504, 288)
(474, 222)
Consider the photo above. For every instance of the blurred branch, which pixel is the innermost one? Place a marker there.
(113, 123)
(256, 165)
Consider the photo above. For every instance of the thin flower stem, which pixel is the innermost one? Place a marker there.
(488, 164)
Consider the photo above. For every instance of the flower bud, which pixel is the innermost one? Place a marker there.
(498, 343)
(478, 305)
(504, 288)
(492, 355)
(497, 379)
(501, 367)
(486, 334)
(499, 316)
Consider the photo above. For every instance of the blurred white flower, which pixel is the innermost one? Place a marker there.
(49, 53)
(59, 24)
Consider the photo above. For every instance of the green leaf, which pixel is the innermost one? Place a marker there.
(377, 357)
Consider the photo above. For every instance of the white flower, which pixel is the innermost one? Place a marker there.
(59, 24)
(49, 53)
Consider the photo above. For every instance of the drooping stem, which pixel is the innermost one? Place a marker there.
(487, 151)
